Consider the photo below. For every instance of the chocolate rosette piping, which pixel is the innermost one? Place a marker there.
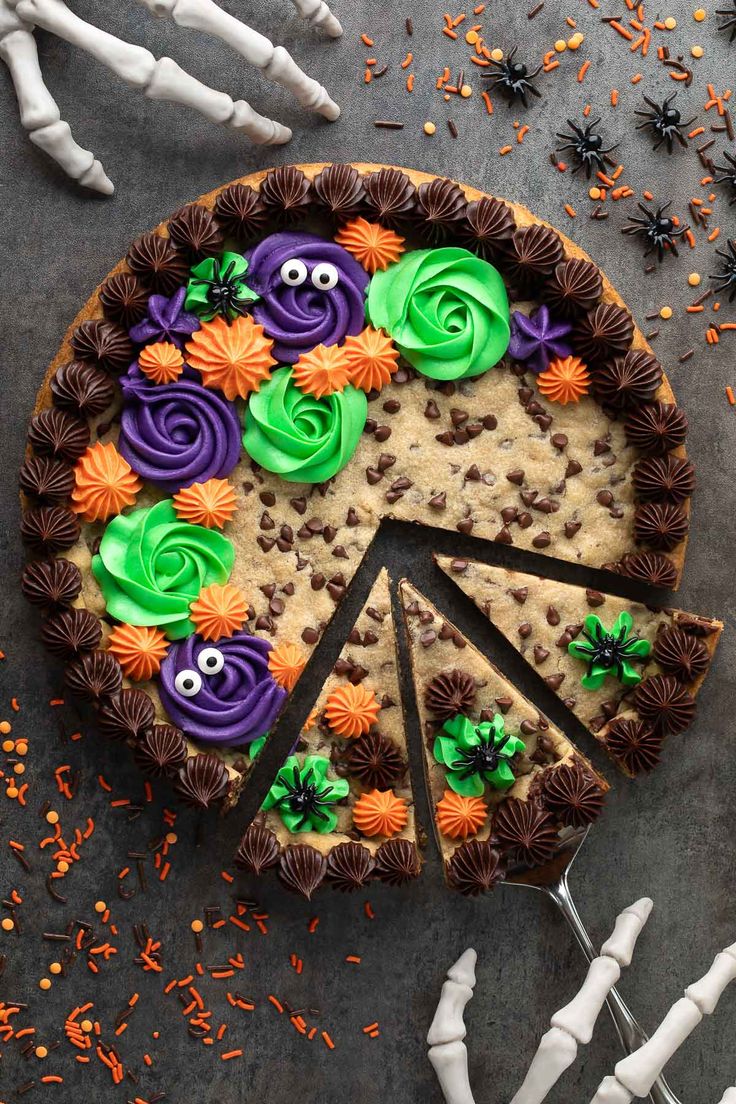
(633, 743)
(49, 529)
(397, 862)
(661, 525)
(390, 197)
(574, 288)
(339, 191)
(82, 388)
(488, 228)
(669, 478)
(450, 693)
(604, 332)
(55, 432)
(195, 230)
(94, 676)
(70, 632)
(681, 654)
(104, 344)
(161, 750)
(440, 208)
(628, 380)
(525, 831)
(158, 263)
(572, 795)
(127, 715)
(650, 567)
(475, 868)
(123, 299)
(375, 761)
(202, 780)
(532, 255)
(46, 478)
(349, 867)
(258, 850)
(241, 212)
(302, 869)
(656, 427)
(665, 704)
(51, 584)
(286, 194)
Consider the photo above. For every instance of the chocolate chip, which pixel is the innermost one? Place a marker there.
(528, 728)
(571, 528)
(520, 594)
(385, 461)
(340, 552)
(458, 566)
(329, 533)
(465, 526)
(276, 606)
(445, 438)
(555, 681)
(299, 504)
(431, 410)
(269, 589)
(553, 617)
(473, 473)
(559, 440)
(525, 394)
(310, 636)
(268, 498)
(336, 592)
(594, 598)
(318, 581)
(374, 614)
(525, 630)
(371, 425)
(524, 520)
(604, 498)
(382, 433)
(503, 536)
(544, 421)
(352, 519)
(540, 654)
(527, 497)
(601, 446)
(542, 540)
(438, 501)
(392, 406)
(266, 543)
(509, 514)
(427, 638)
(461, 436)
(373, 476)
(490, 421)
(267, 521)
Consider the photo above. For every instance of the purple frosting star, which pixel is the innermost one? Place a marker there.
(166, 321)
(536, 339)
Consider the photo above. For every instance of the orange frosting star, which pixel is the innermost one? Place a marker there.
(351, 710)
(322, 371)
(220, 610)
(565, 380)
(311, 719)
(161, 362)
(139, 650)
(235, 357)
(372, 245)
(372, 358)
(380, 813)
(211, 504)
(459, 817)
(286, 664)
(103, 483)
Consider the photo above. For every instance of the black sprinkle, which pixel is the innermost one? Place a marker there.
(535, 11)
(409, 27)
(452, 128)
(388, 124)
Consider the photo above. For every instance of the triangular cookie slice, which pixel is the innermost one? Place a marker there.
(504, 784)
(341, 808)
(629, 672)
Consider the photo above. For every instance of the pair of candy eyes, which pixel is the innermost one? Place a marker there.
(295, 272)
(210, 662)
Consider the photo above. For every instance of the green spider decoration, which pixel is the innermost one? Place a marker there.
(476, 753)
(609, 653)
(302, 795)
(219, 287)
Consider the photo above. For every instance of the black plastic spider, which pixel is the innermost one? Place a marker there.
(729, 22)
(658, 229)
(482, 759)
(513, 79)
(666, 122)
(586, 145)
(728, 174)
(226, 294)
(726, 278)
(606, 650)
(304, 797)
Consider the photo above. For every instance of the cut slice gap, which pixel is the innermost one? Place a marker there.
(541, 617)
(341, 808)
(516, 809)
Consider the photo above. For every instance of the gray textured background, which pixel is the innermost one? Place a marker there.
(670, 836)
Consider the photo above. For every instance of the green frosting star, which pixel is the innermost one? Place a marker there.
(300, 438)
(473, 754)
(446, 309)
(609, 653)
(151, 566)
(302, 795)
(217, 286)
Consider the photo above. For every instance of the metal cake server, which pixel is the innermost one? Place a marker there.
(552, 880)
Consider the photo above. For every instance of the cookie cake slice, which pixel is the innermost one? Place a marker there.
(504, 784)
(341, 808)
(629, 672)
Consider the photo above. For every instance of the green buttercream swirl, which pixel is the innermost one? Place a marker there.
(446, 310)
(304, 795)
(300, 438)
(151, 566)
(473, 754)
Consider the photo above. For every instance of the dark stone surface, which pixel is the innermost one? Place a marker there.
(670, 836)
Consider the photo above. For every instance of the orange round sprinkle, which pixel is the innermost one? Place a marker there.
(322, 371)
(286, 663)
(44, 983)
(197, 926)
(5, 727)
(380, 813)
(351, 710)
(466, 91)
(21, 748)
(220, 610)
(12, 791)
(234, 357)
(429, 128)
(699, 15)
(665, 313)
(171, 838)
(211, 503)
(52, 817)
(139, 649)
(100, 906)
(7, 924)
(374, 246)
(54, 967)
(104, 483)
(372, 358)
(62, 866)
(565, 380)
(19, 768)
(86, 1025)
(8, 745)
(41, 1052)
(162, 362)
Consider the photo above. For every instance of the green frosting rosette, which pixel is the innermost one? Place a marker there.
(151, 566)
(303, 795)
(610, 653)
(300, 438)
(446, 310)
(473, 754)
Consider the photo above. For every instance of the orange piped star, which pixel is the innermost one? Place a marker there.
(211, 504)
(235, 358)
(380, 813)
(103, 483)
(139, 649)
(372, 358)
(220, 610)
(372, 245)
(286, 664)
(459, 817)
(162, 362)
(322, 371)
(564, 381)
(351, 710)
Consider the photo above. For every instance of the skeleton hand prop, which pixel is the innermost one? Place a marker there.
(160, 79)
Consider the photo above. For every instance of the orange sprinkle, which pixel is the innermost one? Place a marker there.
(231, 1054)
(450, 33)
(410, 83)
(487, 101)
(583, 70)
(370, 1027)
(636, 78)
(356, 959)
(730, 396)
(504, 150)
(521, 134)
(620, 29)
(366, 40)
(312, 926)
(328, 1041)
(570, 210)
(714, 234)
(407, 60)
(552, 65)
(695, 309)
(276, 1003)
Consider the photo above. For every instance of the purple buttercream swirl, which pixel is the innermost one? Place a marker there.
(166, 321)
(536, 339)
(176, 434)
(233, 707)
(302, 316)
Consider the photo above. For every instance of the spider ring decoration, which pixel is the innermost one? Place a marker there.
(586, 145)
(157, 78)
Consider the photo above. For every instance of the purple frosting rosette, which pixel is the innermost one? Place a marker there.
(221, 693)
(312, 292)
(176, 434)
(166, 321)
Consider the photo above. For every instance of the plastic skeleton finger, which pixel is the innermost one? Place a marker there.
(573, 1025)
(729, 1097)
(445, 1037)
(636, 1074)
(39, 113)
(318, 14)
(160, 79)
(275, 62)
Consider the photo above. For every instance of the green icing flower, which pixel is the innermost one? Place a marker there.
(303, 795)
(609, 653)
(300, 438)
(446, 309)
(219, 287)
(474, 754)
(151, 566)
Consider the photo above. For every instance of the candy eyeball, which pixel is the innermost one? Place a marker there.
(188, 683)
(294, 272)
(324, 276)
(210, 661)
